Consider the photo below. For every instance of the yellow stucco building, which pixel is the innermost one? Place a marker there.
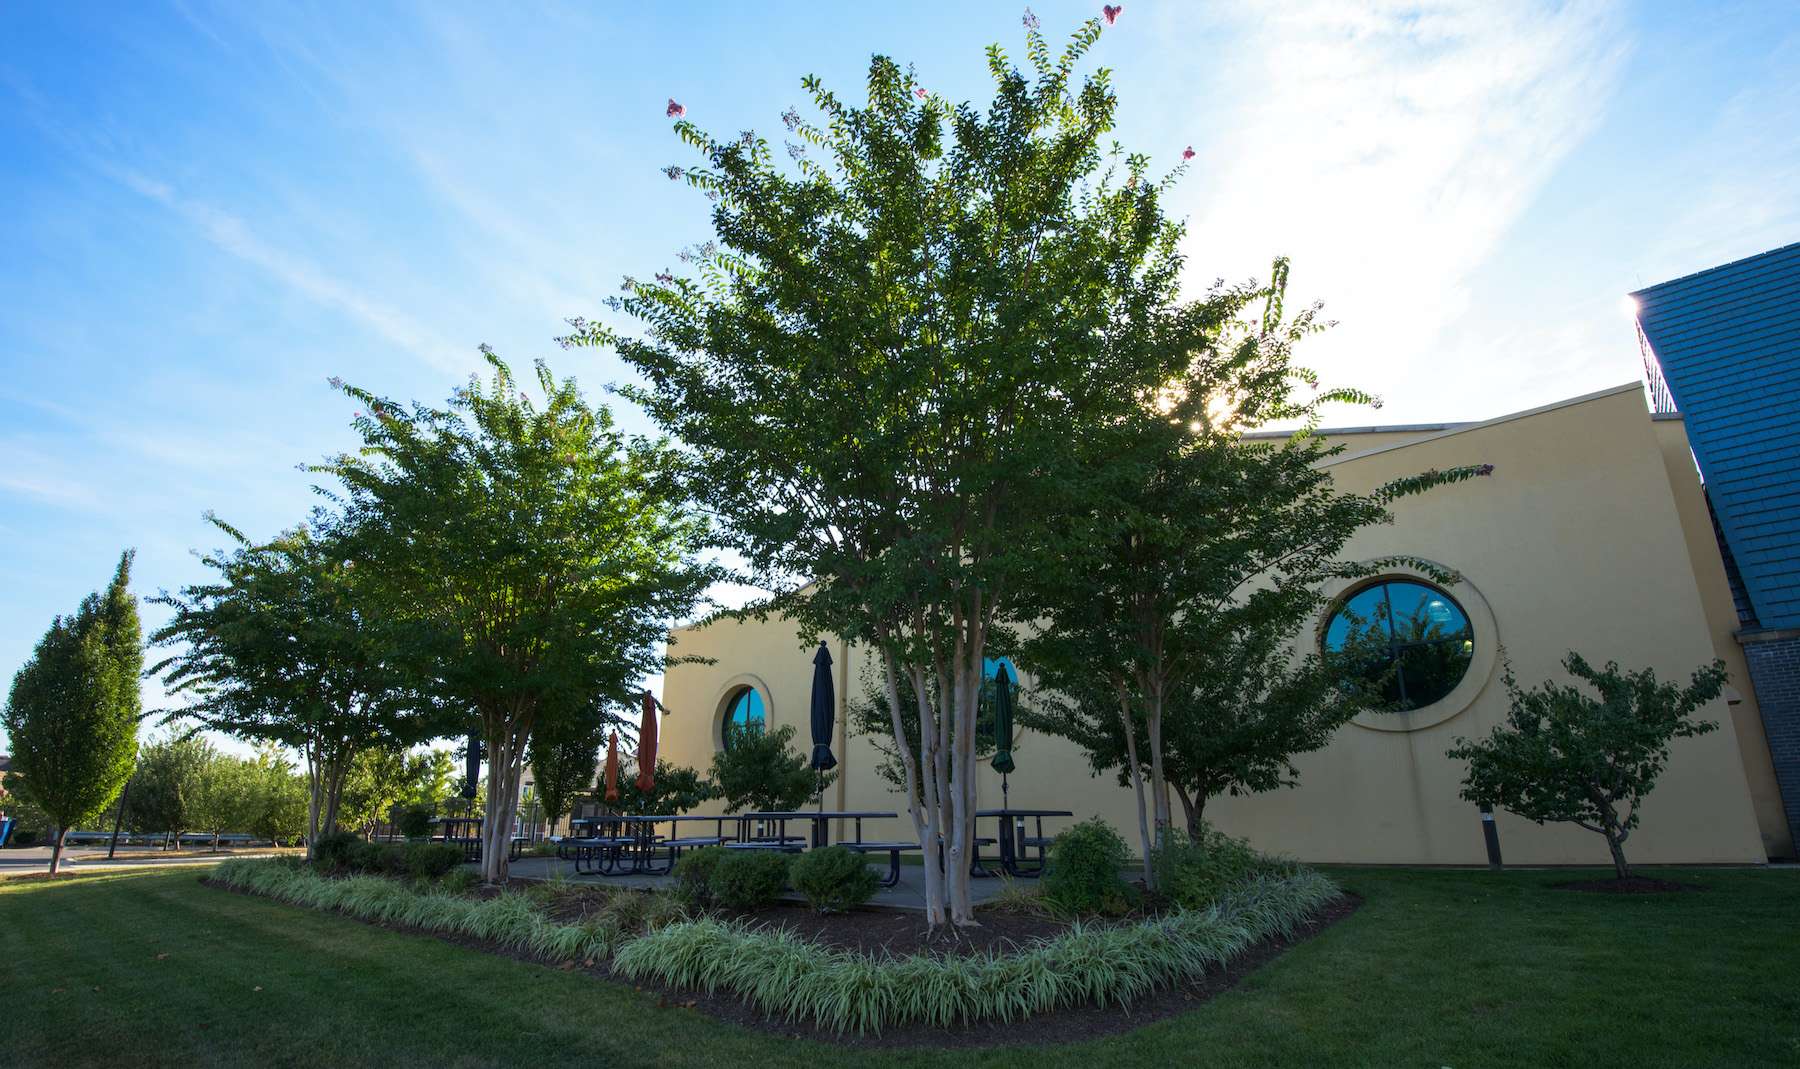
(1593, 534)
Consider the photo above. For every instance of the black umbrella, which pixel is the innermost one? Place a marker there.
(1003, 758)
(472, 767)
(824, 711)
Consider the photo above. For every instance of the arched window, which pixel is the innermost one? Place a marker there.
(744, 715)
(1405, 635)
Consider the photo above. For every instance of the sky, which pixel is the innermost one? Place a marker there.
(208, 210)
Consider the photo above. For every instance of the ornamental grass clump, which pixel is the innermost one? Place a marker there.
(792, 979)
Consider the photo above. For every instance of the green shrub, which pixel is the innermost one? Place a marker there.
(459, 881)
(747, 880)
(693, 875)
(415, 821)
(833, 879)
(1194, 873)
(21, 837)
(428, 861)
(333, 851)
(1082, 873)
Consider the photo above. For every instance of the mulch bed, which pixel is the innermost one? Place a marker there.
(1636, 885)
(902, 932)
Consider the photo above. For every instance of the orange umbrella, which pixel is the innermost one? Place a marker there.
(647, 747)
(612, 768)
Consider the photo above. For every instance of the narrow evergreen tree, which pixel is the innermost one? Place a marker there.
(72, 715)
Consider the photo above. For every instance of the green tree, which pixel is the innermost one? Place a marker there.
(760, 771)
(227, 797)
(165, 797)
(1184, 594)
(281, 794)
(533, 555)
(675, 789)
(1567, 756)
(885, 367)
(564, 753)
(382, 777)
(282, 647)
(72, 713)
(434, 778)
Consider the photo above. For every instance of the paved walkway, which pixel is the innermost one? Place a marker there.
(909, 893)
(36, 859)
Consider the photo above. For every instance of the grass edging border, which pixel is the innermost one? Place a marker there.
(784, 976)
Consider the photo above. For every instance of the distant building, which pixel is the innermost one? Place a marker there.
(1594, 534)
(1722, 352)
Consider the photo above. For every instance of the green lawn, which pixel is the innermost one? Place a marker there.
(1438, 969)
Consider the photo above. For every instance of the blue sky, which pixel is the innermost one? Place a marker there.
(206, 211)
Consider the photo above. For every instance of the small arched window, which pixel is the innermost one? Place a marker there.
(1406, 636)
(744, 715)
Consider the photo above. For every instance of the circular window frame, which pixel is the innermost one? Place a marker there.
(722, 704)
(1486, 658)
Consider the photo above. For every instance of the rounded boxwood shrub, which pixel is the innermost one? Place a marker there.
(428, 861)
(1082, 873)
(693, 874)
(335, 850)
(747, 880)
(833, 879)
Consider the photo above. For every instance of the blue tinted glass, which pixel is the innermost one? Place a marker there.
(745, 713)
(1364, 615)
(1422, 614)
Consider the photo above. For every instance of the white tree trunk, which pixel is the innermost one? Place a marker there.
(506, 754)
(1137, 781)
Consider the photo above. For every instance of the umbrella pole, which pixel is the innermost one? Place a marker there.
(1004, 804)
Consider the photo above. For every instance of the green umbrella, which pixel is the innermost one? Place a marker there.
(1003, 759)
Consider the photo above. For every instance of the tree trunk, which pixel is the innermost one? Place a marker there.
(56, 850)
(915, 806)
(1137, 781)
(506, 752)
(1616, 844)
(1159, 786)
(1193, 808)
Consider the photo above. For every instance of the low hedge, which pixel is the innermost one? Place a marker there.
(786, 976)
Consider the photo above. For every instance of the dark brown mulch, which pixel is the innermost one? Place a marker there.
(1635, 885)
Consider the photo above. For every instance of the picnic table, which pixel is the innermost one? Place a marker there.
(772, 826)
(1013, 841)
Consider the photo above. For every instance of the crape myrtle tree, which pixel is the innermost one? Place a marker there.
(1566, 755)
(763, 772)
(282, 646)
(72, 714)
(674, 789)
(885, 365)
(531, 553)
(1180, 592)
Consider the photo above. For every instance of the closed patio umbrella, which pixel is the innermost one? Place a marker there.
(824, 711)
(1003, 758)
(612, 768)
(646, 758)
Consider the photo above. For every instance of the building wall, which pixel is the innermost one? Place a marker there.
(1575, 542)
(1774, 658)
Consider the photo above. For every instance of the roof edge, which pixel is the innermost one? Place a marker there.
(1465, 428)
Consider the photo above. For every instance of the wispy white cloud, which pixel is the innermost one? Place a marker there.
(234, 236)
(1388, 148)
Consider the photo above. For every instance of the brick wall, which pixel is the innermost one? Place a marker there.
(1775, 673)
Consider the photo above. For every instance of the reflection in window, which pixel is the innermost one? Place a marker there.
(744, 715)
(1408, 639)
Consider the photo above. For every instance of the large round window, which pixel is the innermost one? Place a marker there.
(744, 715)
(1408, 639)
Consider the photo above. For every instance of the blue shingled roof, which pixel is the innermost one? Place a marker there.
(1728, 342)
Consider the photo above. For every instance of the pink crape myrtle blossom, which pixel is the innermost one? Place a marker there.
(675, 111)
(1109, 12)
